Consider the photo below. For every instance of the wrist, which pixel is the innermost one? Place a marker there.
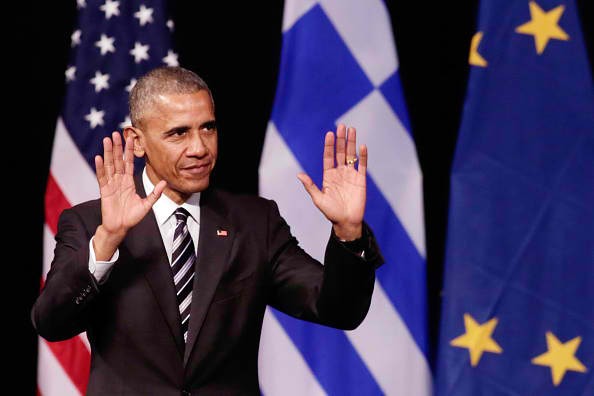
(105, 243)
(349, 232)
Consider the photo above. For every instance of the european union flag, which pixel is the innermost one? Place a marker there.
(518, 302)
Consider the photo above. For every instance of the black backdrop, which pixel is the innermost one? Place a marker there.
(235, 46)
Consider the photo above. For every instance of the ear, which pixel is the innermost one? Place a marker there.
(137, 137)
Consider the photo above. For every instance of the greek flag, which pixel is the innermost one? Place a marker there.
(339, 65)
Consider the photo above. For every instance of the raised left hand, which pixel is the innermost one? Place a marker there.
(343, 194)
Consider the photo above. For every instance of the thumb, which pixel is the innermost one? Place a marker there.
(313, 190)
(156, 194)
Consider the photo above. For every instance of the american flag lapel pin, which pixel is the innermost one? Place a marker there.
(221, 232)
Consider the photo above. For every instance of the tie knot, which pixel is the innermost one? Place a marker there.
(181, 214)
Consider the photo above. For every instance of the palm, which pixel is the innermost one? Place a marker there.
(343, 194)
(121, 207)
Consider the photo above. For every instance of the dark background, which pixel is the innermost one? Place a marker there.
(235, 47)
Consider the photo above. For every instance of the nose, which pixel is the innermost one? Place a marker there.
(196, 146)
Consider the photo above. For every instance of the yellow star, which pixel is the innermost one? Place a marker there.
(543, 26)
(475, 59)
(560, 357)
(477, 339)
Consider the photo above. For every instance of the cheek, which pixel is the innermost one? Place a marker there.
(167, 159)
(213, 147)
(177, 159)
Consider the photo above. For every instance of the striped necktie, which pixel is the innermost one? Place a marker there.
(182, 265)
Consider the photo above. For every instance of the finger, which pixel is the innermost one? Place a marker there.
(108, 157)
(351, 144)
(313, 190)
(340, 145)
(156, 194)
(329, 150)
(363, 159)
(118, 153)
(100, 171)
(129, 156)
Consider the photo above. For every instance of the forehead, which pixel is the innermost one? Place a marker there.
(196, 107)
(181, 102)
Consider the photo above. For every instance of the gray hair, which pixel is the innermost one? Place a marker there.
(162, 80)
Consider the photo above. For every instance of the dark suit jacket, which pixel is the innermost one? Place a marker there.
(132, 319)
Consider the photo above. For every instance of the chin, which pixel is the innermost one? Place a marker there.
(197, 186)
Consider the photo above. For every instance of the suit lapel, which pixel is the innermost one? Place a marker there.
(214, 245)
(146, 245)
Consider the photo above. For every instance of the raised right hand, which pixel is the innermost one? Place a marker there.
(121, 207)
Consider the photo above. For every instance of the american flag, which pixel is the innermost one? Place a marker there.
(113, 44)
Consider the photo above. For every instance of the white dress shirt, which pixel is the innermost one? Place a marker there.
(164, 210)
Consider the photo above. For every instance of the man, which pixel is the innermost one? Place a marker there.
(171, 287)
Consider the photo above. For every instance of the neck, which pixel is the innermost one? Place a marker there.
(176, 196)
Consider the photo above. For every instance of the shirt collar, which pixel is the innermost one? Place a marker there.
(164, 207)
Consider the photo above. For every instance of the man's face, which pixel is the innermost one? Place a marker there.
(179, 142)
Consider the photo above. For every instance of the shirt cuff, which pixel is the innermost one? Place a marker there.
(357, 246)
(100, 269)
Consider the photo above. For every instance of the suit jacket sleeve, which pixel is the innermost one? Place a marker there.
(60, 311)
(336, 294)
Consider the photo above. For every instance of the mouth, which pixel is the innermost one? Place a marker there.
(196, 170)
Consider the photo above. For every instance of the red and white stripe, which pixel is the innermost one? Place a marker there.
(63, 367)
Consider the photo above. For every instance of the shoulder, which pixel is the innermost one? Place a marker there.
(87, 213)
(252, 216)
(243, 207)
(234, 202)
(88, 208)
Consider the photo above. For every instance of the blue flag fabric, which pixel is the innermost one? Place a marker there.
(115, 43)
(339, 65)
(518, 301)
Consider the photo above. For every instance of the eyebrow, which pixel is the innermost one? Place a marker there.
(177, 129)
(210, 124)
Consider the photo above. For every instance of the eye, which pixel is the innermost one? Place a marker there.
(177, 132)
(210, 126)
